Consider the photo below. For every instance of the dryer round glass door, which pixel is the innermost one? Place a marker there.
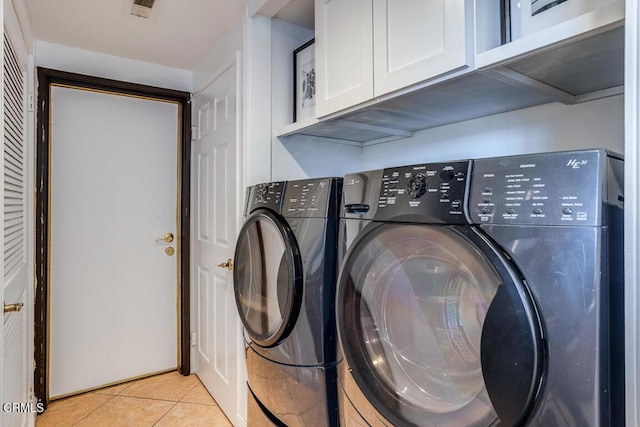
(267, 278)
(412, 305)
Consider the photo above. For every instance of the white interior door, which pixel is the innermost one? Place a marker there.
(113, 288)
(14, 334)
(215, 216)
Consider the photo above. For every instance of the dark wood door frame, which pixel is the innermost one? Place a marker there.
(47, 78)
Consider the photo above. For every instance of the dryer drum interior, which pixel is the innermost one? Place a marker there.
(431, 319)
(267, 278)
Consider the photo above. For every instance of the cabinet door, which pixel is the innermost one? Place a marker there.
(344, 54)
(416, 40)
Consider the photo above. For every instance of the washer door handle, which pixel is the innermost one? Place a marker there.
(356, 208)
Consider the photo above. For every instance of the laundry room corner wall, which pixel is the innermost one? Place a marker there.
(211, 66)
(74, 60)
(296, 157)
(257, 68)
(549, 127)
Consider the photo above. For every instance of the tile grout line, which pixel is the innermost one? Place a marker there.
(162, 400)
(94, 410)
(166, 413)
(113, 396)
(175, 404)
(149, 398)
(187, 393)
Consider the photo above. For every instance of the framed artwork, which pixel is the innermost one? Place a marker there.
(531, 16)
(304, 81)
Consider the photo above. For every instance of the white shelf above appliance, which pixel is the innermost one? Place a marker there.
(576, 61)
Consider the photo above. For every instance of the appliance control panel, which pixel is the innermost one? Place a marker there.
(266, 195)
(310, 197)
(430, 193)
(563, 188)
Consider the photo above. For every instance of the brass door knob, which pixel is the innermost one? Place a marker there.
(8, 308)
(167, 238)
(228, 264)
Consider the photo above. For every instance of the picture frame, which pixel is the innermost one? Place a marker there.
(532, 16)
(304, 81)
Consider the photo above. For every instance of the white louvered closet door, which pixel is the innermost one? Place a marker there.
(13, 215)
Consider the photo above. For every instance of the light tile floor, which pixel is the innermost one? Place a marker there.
(165, 400)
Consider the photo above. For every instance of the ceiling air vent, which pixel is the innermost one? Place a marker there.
(142, 8)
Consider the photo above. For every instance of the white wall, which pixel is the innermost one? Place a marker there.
(550, 127)
(297, 158)
(258, 99)
(218, 59)
(74, 60)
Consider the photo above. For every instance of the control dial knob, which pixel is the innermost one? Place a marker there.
(417, 185)
(447, 174)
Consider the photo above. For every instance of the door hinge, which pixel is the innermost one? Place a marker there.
(194, 133)
(193, 339)
(30, 105)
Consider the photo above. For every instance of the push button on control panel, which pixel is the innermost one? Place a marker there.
(537, 211)
(567, 211)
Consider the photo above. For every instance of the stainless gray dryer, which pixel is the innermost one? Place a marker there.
(483, 293)
(284, 282)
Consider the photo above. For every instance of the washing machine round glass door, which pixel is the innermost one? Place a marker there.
(431, 321)
(267, 278)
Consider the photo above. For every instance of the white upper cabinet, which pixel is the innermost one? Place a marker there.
(415, 40)
(344, 54)
(368, 48)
